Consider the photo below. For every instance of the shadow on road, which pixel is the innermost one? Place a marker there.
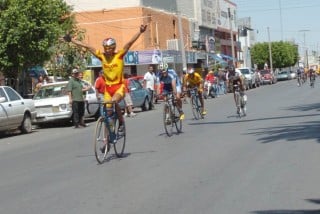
(316, 201)
(299, 131)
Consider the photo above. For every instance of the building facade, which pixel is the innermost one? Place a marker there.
(207, 26)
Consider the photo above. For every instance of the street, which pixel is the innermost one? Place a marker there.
(265, 163)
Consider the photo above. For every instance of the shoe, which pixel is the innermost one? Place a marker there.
(132, 114)
(168, 121)
(181, 115)
(76, 127)
(84, 125)
(102, 149)
(204, 112)
(121, 130)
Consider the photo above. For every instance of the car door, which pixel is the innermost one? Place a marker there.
(15, 107)
(91, 106)
(3, 111)
(136, 92)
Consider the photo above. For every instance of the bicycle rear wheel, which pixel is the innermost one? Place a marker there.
(167, 120)
(101, 145)
(176, 119)
(121, 138)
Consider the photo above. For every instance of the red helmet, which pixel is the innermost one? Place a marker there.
(109, 42)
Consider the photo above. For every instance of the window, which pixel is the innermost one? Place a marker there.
(12, 94)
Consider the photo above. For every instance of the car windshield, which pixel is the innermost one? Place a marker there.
(244, 71)
(264, 72)
(283, 72)
(51, 91)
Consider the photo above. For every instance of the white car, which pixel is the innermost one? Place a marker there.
(249, 76)
(15, 112)
(52, 103)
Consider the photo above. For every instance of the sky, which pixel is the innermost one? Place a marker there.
(287, 20)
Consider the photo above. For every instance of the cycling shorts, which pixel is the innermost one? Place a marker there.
(114, 89)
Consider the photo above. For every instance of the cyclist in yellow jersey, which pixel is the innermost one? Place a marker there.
(191, 80)
(112, 65)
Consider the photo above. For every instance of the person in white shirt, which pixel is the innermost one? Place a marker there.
(149, 82)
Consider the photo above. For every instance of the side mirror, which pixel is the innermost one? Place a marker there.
(2, 99)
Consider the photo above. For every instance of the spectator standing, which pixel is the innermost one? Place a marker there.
(39, 84)
(127, 98)
(221, 82)
(75, 90)
(100, 87)
(149, 81)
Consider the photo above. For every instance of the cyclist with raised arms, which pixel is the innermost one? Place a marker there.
(191, 80)
(112, 65)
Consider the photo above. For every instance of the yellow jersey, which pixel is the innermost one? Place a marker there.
(192, 81)
(112, 69)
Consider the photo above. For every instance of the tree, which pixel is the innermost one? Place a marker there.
(284, 54)
(29, 30)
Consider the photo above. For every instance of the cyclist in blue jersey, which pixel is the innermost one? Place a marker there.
(171, 83)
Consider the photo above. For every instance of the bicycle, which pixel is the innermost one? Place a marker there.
(171, 115)
(299, 80)
(195, 103)
(312, 80)
(241, 101)
(107, 133)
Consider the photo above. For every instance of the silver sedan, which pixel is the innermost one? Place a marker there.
(15, 112)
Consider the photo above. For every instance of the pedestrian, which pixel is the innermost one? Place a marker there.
(149, 81)
(100, 87)
(127, 98)
(39, 84)
(75, 90)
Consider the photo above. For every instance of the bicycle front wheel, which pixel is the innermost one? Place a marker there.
(195, 107)
(176, 119)
(101, 145)
(167, 120)
(121, 138)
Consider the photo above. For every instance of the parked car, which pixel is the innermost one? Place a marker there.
(293, 74)
(52, 103)
(249, 76)
(139, 95)
(267, 77)
(283, 75)
(15, 112)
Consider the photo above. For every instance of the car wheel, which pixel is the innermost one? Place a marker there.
(146, 104)
(26, 126)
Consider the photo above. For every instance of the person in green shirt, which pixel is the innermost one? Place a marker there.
(75, 90)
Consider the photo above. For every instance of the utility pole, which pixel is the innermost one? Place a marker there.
(270, 51)
(182, 49)
(305, 47)
(231, 35)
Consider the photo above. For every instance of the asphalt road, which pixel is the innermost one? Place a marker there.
(265, 163)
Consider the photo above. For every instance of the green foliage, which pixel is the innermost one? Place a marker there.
(284, 54)
(29, 30)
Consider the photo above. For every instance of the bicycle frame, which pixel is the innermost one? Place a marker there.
(109, 114)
